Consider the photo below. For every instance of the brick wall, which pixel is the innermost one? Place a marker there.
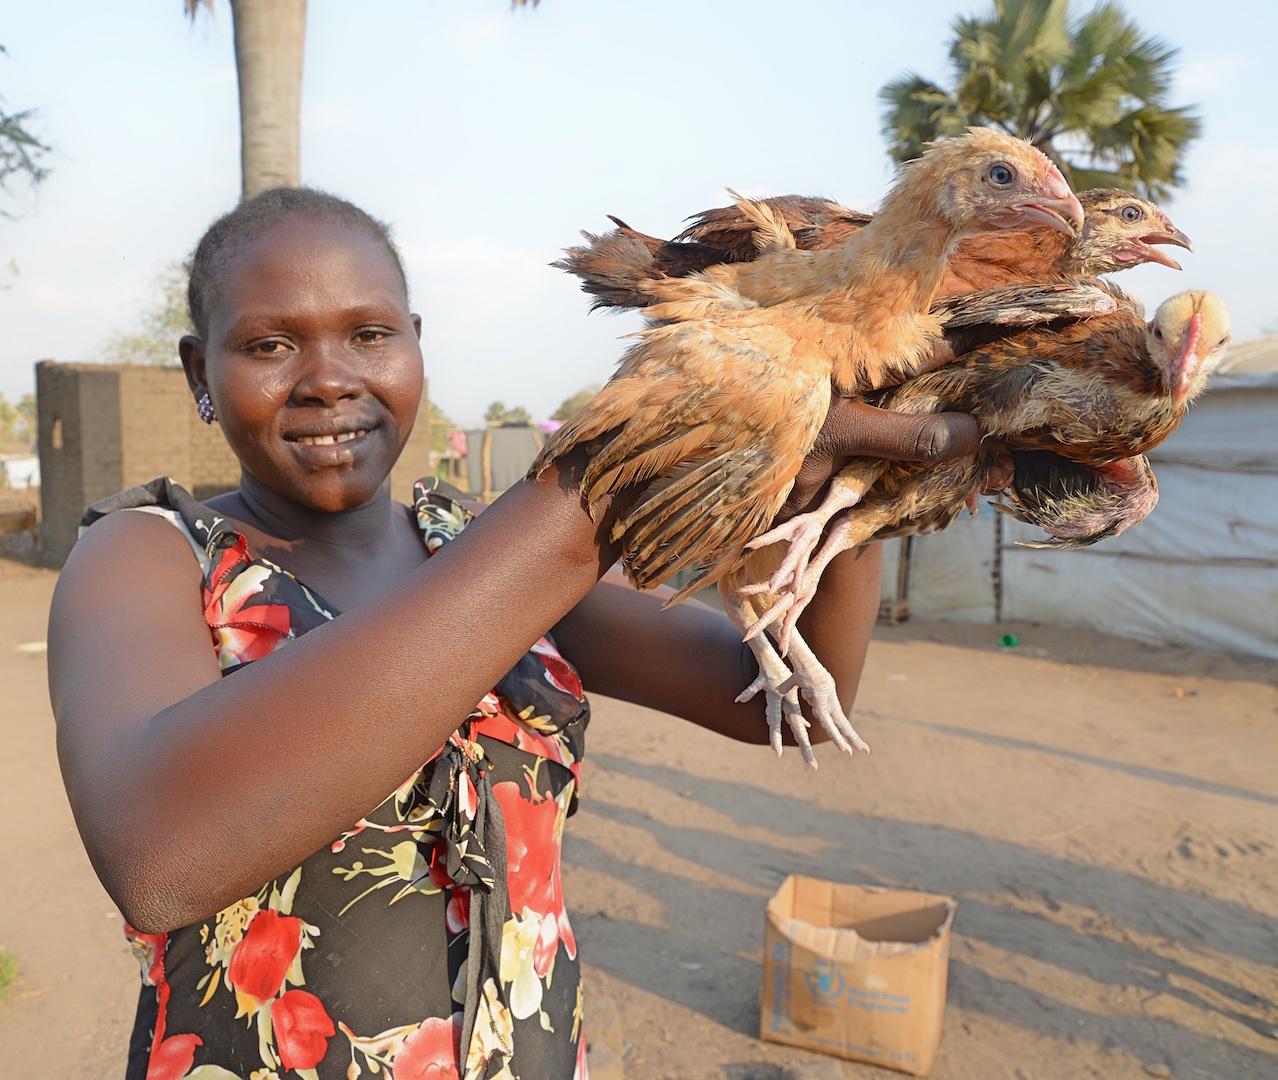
(78, 409)
(156, 417)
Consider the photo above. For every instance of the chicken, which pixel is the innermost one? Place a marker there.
(1075, 407)
(714, 408)
(1119, 231)
(1079, 505)
(626, 269)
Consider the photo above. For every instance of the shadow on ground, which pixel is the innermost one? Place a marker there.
(706, 956)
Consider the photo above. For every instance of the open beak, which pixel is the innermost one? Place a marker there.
(1142, 249)
(1062, 213)
(1188, 361)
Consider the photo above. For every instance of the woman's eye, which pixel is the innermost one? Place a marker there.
(269, 348)
(369, 337)
(1000, 175)
(1131, 213)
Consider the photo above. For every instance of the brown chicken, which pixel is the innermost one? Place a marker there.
(626, 269)
(1075, 407)
(715, 407)
(1119, 231)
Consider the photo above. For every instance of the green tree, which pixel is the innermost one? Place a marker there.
(17, 423)
(579, 400)
(1090, 91)
(499, 415)
(160, 327)
(22, 154)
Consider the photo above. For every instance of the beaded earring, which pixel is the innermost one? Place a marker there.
(205, 408)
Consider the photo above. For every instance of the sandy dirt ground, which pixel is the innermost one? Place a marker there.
(1105, 813)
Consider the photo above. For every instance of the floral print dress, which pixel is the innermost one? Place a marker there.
(428, 940)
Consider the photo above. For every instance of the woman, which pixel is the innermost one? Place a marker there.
(297, 903)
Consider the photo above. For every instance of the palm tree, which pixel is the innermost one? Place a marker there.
(1090, 92)
(269, 39)
(270, 36)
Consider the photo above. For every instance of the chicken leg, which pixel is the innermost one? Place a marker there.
(773, 674)
(803, 533)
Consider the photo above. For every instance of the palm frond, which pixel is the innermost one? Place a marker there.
(1091, 90)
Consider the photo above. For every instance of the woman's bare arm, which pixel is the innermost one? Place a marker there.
(690, 661)
(190, 790)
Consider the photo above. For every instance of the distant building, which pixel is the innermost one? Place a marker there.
(498, 457)
(103, 428)
(19, 471)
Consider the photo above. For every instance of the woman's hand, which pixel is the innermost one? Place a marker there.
(854, 429)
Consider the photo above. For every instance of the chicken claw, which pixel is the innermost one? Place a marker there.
(773, 673)
(797, 594)
(822, 694)
(803, 533)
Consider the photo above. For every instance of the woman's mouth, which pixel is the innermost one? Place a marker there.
(331, 440)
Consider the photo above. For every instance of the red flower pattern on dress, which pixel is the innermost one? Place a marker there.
(252, 607)
(457, 914)
(302, 1029)
(173, 1058)
(559, 673)
(533, 869)
(431, 1052)
(242, 632)
(264, 955)
(148, 950)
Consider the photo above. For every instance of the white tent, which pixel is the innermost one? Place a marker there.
(1201, 570)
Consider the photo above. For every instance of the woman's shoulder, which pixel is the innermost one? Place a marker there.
(123, 554)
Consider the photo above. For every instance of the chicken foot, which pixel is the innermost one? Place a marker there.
(821, 692)
(773, 674)
(803, 533)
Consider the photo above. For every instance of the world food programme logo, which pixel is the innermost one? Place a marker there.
(825, 983)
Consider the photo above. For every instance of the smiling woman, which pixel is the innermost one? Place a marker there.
(258, 831)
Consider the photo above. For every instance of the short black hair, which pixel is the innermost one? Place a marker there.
(260, 214)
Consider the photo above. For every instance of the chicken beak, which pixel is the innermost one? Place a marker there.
(1188, 361)
(1146, 251)
(1172, 236)
(1064, 213)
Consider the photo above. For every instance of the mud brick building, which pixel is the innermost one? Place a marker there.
(103, 428)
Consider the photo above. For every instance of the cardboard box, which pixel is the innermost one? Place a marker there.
(856, 971)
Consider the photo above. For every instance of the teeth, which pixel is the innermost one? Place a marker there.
(330, 440)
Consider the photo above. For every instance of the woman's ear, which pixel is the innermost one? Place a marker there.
(417, 325)
(191, 350)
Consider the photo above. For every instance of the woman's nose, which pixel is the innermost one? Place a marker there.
(327, 377)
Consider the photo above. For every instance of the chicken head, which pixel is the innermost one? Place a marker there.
(1121, 230)
(990, 181)
(1187, 338)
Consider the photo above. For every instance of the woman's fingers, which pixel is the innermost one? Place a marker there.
(855, 429)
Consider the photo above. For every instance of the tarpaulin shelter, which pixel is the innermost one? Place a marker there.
(1201, 570)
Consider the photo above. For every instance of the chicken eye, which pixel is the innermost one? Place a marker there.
(1131, 213)
(1000, 175)
(1158, 333)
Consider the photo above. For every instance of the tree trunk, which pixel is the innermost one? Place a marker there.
(269, 39)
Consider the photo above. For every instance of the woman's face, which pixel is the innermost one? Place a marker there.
(312, 362)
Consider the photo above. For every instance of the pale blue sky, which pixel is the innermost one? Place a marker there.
(489, 138)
